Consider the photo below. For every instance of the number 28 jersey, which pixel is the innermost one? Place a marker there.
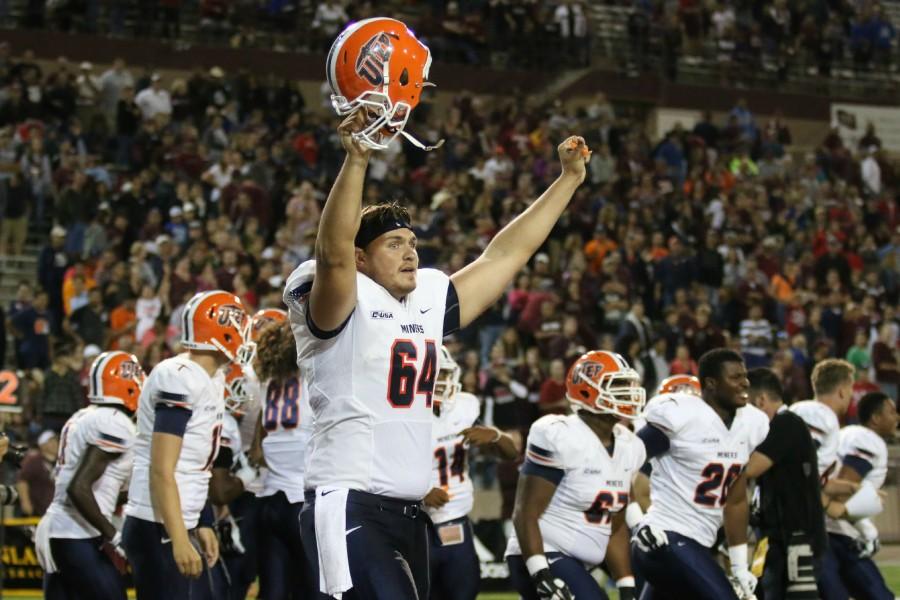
(370, 384)
(690, 481)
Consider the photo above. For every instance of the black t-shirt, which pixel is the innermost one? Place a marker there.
(790, 492)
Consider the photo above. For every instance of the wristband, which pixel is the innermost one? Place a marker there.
(864, 503)
(498, 436)
(633, 515)
(737, 555)
(625, 582)
(536, 563)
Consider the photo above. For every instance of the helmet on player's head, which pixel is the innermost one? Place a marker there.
(602, 382)
(377, 65)
(265, 317)
(684, 384)
(116, 378)
(236, 392)
(217, 321)
(447, 385)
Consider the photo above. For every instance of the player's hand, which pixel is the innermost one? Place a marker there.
(574, 156)
(436, 498)
(243, 470)
(836, 509)
(187, 559)
(649, 538)
(550, 587)
(743, 582)
(868, 545)
(479, 435)
(209, 543)
(354, 124)
(116, 553)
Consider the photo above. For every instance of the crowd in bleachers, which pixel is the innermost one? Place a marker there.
(715, 235)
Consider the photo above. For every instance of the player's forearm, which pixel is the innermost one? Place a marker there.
(224, 487)
(521, 238)
(83, 500)
(529, 534)
(341, 216)
(506, 447)
(737, 517)
(166, 498)
(618, 552)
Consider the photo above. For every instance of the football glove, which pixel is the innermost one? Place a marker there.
(868, 545)
(550, 587)
(649, 538)
(742, 580)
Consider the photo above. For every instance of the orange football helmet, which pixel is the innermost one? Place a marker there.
(217, 320)
(265, 317)
(116, 378)
(236, 392)
(602, 382)
(379, 66)
(685, 384)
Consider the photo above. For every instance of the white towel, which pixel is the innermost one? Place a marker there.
(42, 546)
(331, 540)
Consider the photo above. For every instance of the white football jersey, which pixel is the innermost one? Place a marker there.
(288, 424)
(595, 486)
(861, 442)
(109, 429)
(179, 382)
(824, 426)
(450, 468)
(690, 481)
(370, 385)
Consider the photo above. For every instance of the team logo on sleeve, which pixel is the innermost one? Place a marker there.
(372, 58)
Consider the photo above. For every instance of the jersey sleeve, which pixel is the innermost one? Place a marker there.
(545, 446)
(815, 420)
(860, 449)
(172, 387)
(472, 407)
(113, 433)
(308, 336)
(759, 425)
(443, 296)
(669, 414)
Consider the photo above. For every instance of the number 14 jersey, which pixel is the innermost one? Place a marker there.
(370, 384)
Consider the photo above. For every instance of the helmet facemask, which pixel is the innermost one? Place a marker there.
(618, 394)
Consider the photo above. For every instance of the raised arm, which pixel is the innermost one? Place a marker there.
(480, 283)
(333, 294)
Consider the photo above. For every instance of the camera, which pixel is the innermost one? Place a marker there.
(15, 455)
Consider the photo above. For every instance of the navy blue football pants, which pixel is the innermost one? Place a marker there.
(156, 576)
(388, 553)
(679, 570)
(455, 569)
(283, 573)
(243, 568)
(845, 574)
(84, 572)
(570, 570)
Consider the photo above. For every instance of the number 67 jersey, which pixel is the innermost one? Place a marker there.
(690, 480)
(370, 383)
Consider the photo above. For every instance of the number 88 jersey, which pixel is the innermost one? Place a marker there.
(690, 480)
(287, 423)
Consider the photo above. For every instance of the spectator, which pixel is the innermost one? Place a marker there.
(154, 100)
(31, 328)
(35, 478)
(683, 363)
(327, 22)
(884, 360)
(63, 395)
(756, 338)
(553, 391)
(89, 324)
(112, 83)
(14, 225)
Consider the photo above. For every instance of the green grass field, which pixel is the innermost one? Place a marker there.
(891, 573)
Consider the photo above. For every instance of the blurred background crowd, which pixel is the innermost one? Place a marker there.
(144, 188)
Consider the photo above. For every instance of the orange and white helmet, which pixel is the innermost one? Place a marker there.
(265, 317)
(116, 378)
(602, 382)
(447, 384)
(216, 320)
(378, 65)
(236, 389)
(684, 384)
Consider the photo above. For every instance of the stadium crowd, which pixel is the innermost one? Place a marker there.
(715, 235)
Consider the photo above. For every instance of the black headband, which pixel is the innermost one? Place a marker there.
(372, 228)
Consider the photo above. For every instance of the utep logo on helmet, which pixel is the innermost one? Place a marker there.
(588, 369)
(229, 315)
(129, 370)
(372, 56)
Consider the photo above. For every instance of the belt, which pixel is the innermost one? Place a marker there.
(410, 509)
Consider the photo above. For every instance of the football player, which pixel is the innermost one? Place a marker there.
(455, 569)
(575, 484)
(232, 475)
(700, 445)
(85, 558)
(368, 325)
(286, 429)
(179, 423)
(848, 569)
